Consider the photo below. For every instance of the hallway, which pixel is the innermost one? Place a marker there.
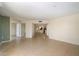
(40, 45)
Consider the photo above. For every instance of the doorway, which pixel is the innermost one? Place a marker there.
(40, 29)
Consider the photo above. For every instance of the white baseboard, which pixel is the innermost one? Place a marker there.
(65, 41)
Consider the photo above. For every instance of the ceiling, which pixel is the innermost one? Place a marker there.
(38, 10)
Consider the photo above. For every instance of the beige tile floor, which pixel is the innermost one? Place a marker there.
(40, 45)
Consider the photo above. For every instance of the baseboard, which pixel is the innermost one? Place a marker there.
(65, 41)
(5, 41)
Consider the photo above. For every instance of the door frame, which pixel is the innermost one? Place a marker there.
(33, 24)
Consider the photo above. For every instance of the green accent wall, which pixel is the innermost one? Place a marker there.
(4, 28)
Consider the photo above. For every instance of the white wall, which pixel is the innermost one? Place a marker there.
(65, 29)
(28, 29)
